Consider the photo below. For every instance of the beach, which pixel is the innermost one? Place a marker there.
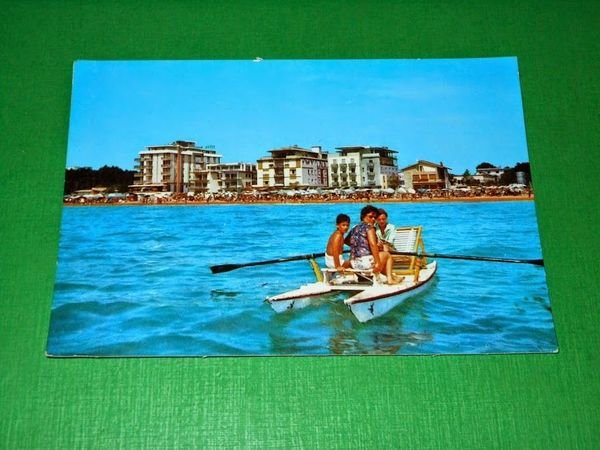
(274, 198)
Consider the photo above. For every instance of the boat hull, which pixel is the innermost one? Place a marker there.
(377, 300)
(367, 302)
(298, 298)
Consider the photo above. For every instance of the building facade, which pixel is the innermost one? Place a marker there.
(368, 167)
(172, 167)
(488, 175)
(228, 177)
(426, 175)
(293, 167)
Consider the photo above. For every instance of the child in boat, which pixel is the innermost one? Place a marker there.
(335, 245)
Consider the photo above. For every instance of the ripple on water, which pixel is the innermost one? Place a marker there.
(136, 281)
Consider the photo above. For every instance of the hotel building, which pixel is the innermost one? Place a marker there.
(293, 167)
(172, 168)
(360, 166)
(426, 175)
(231, 177)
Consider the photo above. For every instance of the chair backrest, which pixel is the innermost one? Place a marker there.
(408, 239)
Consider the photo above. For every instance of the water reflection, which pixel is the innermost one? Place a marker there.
(328, 327)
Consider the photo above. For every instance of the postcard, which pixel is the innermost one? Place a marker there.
(299, 207)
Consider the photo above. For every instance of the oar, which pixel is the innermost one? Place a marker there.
(537, 262)
(229, 267)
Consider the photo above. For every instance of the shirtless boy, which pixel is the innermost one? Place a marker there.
(335, 245)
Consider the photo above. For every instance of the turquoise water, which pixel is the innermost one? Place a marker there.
(135, 280)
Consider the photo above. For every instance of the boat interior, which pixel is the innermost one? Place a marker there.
(406, 239)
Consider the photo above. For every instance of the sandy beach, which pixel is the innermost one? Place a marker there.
(278, 199)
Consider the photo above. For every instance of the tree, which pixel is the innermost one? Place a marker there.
(510, 174)
(485, 165)
(111, 177)
(469, 180)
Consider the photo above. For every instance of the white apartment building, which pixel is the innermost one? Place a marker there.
(172, 167)
(488, 175)
(361, 166)
(293, 167)
(231, 177)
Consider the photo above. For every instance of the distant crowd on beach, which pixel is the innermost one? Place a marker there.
(313, 196)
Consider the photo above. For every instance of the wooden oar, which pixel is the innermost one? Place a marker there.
(229, 267)
(537, 262)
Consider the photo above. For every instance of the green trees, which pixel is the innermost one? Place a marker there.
(113, 178)
(520, 173)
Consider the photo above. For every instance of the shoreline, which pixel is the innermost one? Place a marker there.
(300, 201)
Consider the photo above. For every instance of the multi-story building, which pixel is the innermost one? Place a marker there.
(232, 177)
(172, 167)
(361, 166)
(488, 175)
(426, 175)
(293, 167)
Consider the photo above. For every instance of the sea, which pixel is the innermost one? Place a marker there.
(135, 280)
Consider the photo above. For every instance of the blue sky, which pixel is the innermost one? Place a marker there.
(457, 111)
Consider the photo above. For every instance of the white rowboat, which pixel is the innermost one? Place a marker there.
(369, 297)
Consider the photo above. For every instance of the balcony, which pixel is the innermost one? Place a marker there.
(425, 178)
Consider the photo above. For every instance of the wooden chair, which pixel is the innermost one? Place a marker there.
(408, 239)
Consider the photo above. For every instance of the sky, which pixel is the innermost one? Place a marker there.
(460, 112)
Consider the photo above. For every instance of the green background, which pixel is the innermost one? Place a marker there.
(518, 401)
